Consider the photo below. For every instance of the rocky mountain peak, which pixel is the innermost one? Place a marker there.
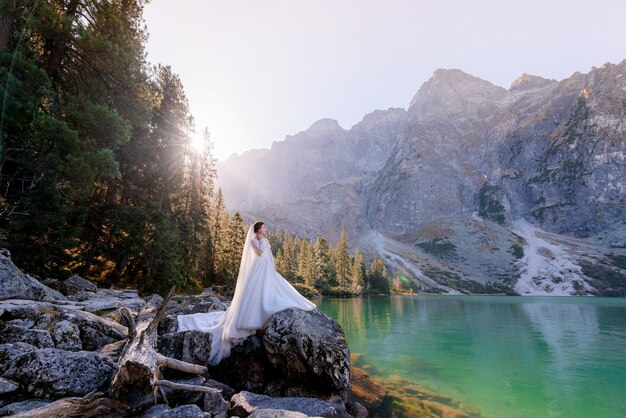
(452, 89)
(529, 82)
(324, 126)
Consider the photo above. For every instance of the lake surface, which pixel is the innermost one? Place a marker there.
(505, 356)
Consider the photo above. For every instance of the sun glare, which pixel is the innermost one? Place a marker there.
(197, 142)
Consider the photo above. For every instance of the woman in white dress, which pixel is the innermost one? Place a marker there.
(260, 292)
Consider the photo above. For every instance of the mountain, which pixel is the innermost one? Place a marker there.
(473, 187)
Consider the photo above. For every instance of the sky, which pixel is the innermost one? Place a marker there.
(255, 71)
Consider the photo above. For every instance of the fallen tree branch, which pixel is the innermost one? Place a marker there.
(139, 363)
(184, 386)
(92, 404)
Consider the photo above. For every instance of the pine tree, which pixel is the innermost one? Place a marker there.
(378, 276)
(288, 257)
(358, 273)
(321, 263)
(233, 246)
(343, 265)
(219, 237)
(305, 263)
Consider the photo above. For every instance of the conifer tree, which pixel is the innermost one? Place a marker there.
(358, 273)
(378, 276)
(321, 263)
(343, 265)
(288, 257)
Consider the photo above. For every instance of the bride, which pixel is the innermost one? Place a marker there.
(260, 292)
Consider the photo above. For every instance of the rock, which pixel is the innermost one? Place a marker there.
(75, 284)
(196, 347)
(189, 346)
(110, 299)
(168, 325)
(356, 410)
(181, 396)
(14, 284)
(153, 411)
(247, 367)
(227, 391)
(81, 296)
(185, 411)
(215, 404)
(14, 334)
(310, 347)
(171, 345)
(7, 386)
(67, 336)
(23, 406)
(53, 373)
(95, 332)
(245, 403)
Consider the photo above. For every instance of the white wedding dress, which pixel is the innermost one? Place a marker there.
(260, 292)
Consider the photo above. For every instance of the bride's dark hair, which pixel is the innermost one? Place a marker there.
(258, 225)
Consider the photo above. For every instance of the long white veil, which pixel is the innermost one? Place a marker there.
(226, 328)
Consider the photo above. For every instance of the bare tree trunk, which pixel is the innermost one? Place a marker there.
(138, 366)
(6, 22)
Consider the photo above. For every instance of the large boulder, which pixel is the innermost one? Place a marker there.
(14, 284)
(190, 346)
(15, 334)
(76, 284)
(308, 346)
(247, 367)
(67, 324)
(53, 373)
(185, 411)
(301, 353)
(245, 403)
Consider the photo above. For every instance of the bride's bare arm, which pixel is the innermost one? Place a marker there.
(256, 245)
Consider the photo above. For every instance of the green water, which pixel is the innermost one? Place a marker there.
(506, 356)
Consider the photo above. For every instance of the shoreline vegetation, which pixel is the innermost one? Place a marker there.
(393, 396)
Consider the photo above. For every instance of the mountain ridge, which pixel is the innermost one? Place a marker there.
(466, 155)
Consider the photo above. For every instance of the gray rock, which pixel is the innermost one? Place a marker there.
(356, 410)
(22, 406)
(247, 367)
(67, 336)
(244, 403)
(54, 373)
(36, 337)
(227, 391)
(110, 299)
(95, 332)
(75, 284)
(7, 386)
(81, 296)
(308, 346)
(197, 347)
(215, 404)
(14, 284)
(185, 411)
(153, 411)
(168, 325)
(190, 346)
(181, 396)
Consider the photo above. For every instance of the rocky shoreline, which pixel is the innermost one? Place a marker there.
(61, 342)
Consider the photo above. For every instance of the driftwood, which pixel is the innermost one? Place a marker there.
(93, 404)
(138, 365)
